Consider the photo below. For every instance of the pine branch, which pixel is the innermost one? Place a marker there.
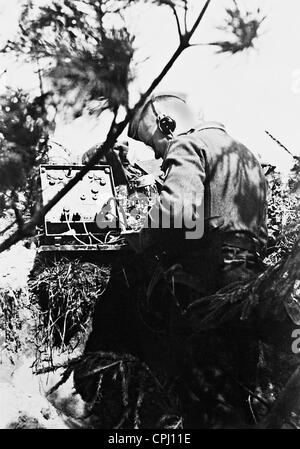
(115, 131)
(288, 402)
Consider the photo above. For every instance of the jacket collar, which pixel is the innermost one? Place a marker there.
(207, 125)
(201, 127)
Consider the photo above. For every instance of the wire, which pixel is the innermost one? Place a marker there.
(106, 237)
(249, 400)
(91, 236)
(97, 240)
(74, 232)
(87, 233)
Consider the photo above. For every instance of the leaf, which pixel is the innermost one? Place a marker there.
(242, 30)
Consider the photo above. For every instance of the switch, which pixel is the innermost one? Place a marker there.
(76, 217)
(65, 216)
(102, 182)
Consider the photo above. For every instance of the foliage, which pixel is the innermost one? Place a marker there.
(24, 132)
(66, 292)
(278, 282)
(283, 214)
(121, 392)
(84, 47)
(101, 74)
(242, 29)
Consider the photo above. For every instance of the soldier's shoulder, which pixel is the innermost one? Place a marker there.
(189, 138)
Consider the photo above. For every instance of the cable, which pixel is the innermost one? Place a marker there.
(87, 233)
(97, 240)
(106, 237)
(74, 232)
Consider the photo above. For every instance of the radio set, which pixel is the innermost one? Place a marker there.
(85, 214)
(95, 212)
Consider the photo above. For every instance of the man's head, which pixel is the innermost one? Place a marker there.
(159, 120)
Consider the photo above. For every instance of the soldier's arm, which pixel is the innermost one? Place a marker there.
(182, 194)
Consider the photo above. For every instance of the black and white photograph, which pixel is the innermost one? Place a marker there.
(149, 217)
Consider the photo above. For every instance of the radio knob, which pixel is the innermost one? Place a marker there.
(95, 197)
(95, 190)
(102, 182)
(83, 197)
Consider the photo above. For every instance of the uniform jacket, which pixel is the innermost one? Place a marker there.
(222, 177)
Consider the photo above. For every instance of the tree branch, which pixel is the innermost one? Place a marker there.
(177, 22)
(8, 227)
(200, 17)
(115, 131)
(288, 402)
(185, 15)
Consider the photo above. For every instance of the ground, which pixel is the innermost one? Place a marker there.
(23, 395)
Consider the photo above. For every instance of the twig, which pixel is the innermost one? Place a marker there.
(39, 71)
(279, 143)
(288, 402)
(65, 376)
(101, 368)
(177, 22)
(251, 393)
(293, 425)
(197, 22)
(185, 15)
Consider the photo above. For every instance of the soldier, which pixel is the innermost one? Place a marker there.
(213, 199)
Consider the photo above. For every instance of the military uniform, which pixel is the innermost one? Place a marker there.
(225, 178)
(229, 188)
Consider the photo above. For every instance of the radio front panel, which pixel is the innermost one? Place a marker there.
(89, 207)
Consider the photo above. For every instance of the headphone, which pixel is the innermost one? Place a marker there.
(165, 123)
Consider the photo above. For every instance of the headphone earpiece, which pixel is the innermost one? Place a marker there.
(166, 124)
